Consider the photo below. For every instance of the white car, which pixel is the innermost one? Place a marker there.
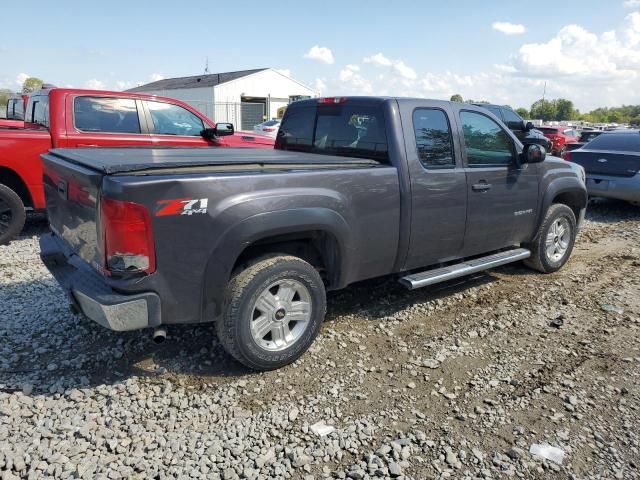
(268, 128)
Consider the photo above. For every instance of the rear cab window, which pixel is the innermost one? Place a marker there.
(341, 129)
(15, 109)
(38, 111)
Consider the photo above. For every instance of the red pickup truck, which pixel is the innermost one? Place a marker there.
(60, 117)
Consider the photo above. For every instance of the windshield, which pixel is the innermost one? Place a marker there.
(552, 131)
(335, 129)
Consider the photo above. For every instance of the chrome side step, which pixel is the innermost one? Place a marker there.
(437, 275)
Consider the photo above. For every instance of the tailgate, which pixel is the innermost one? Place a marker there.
(71, 193)
(617, 164)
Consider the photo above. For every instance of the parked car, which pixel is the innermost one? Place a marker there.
(525, 131)
(585, 137)
(62, 117)
(612, 163)
(14, 112)
(268, 128)
(252, 239)
(560, 137)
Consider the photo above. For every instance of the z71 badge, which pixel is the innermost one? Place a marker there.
(181, 206)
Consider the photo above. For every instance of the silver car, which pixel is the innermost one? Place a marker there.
(612, 163)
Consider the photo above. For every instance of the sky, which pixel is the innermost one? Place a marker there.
(502, 51)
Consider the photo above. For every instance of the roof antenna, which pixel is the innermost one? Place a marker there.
(206, 67)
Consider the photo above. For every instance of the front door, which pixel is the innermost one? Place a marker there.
(502, 194)
(438, 187)
(174, 126)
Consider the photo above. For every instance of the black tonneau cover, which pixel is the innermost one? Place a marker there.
(132, 159)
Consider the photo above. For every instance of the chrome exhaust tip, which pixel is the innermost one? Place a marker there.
(159, 336)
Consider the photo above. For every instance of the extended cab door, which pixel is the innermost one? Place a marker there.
(438, 184)
(104, 121)
(502, 194)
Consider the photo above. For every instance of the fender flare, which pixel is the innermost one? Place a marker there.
(559, 186)
(236, 239)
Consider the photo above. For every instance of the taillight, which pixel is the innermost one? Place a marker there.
(268, 129)
(127, 237)
(567, 156)
(331, 100)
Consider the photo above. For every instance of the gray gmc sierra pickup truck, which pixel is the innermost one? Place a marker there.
(356, 187)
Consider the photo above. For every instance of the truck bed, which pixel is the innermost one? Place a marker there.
(112, 161)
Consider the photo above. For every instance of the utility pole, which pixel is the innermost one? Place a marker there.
(206, 67)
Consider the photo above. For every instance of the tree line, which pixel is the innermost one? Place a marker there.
(563, 109)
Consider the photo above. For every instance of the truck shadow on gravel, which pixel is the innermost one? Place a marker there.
(47, 348)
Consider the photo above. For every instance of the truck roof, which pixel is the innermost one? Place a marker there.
(104, 93)
(136, 159)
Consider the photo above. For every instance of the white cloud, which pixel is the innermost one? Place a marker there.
(156, 76)
(612, 55)
(378, 59)
(607, 76)
(21, 78)
(509, 28)
(351, 78)
(322, 54)
(631, 4)
(124, 85)
(320, 85)
(398, 66)
(95, 84)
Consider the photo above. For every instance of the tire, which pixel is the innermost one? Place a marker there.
(549, 249)
(562, 152)
(258, 302)
(12, 214)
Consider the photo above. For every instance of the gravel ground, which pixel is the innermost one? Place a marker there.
(456, 381)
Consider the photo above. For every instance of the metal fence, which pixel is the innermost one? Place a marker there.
(244, 115)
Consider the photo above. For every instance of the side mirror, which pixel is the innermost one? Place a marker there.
(533, 153)
(220, 130)
(528, 126)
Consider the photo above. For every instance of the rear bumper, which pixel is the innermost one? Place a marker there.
(621, 188)
(91, 295)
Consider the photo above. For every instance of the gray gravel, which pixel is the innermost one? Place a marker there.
(454, 382)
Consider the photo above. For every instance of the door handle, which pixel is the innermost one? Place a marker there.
(87, 145)
(481, 187)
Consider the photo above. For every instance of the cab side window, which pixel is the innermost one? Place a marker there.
(433, 138)
(486, 143)
(106, 115)
(512, 119)
(171, 119)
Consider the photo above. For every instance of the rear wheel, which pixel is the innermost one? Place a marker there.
(274, 310)
(562, 152)
(554, 240)
(12, 214)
